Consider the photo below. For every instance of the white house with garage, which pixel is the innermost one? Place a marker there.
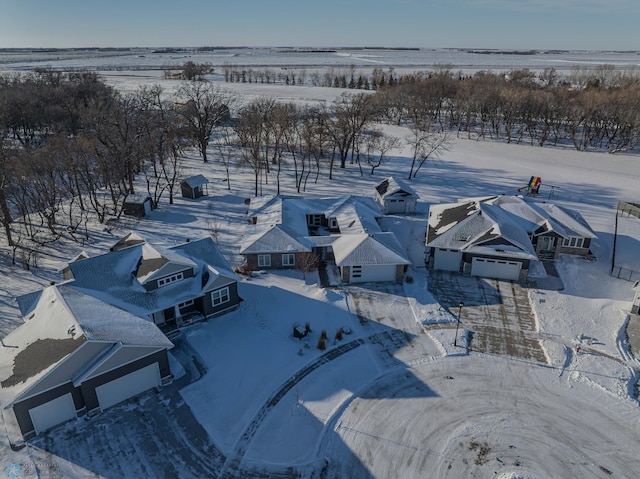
(75, 355)
(396, 197)
(283, 230)
(499, 236)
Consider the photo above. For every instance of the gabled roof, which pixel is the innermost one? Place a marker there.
(392, 187)
(477, 226)
(117, 277)
(281, 226)
(67, 329)
(369, 249)
(275, 239)
(499, 224)
(196, 180)
(130, 239)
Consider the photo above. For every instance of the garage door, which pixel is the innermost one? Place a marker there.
(396, 206)
(374, 272)
(447, 259)
(53, 413)
(493, 268)
(128, 386)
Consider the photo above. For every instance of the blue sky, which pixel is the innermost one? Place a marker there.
(508, 24)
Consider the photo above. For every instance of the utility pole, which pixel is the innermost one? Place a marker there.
(455, 340)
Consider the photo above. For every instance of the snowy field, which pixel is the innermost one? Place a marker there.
(398, 400)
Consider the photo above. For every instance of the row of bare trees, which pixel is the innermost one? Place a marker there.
(73, 149)
(271, 135)
(594, 109)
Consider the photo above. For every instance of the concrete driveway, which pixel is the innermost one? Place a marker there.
(498, 314)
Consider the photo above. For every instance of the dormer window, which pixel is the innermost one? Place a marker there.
(170, 279)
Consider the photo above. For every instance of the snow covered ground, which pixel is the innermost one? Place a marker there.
(396, 398)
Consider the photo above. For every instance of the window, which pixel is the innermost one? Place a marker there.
(264, 260)
(356, 271)
(314, 220)
(220, 296)
(333, 223)
(170, 279)
(288, 259)
(573, 242)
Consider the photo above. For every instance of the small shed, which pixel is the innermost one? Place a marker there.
(194, 187)
(137, 205)
(396, 197)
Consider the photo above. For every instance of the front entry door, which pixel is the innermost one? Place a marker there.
(547, 243)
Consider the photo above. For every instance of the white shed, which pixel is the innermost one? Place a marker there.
(396, 197)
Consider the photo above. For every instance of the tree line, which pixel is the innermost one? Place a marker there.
(73, 149)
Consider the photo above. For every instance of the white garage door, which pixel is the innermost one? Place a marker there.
(52, 413)
(492, 268)
(447, 259)
(128, 386)
(396, 206)
(373, 272)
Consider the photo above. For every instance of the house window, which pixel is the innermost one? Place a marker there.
(356, 271)
(333, 223)
(573, 242)
(170, 279)
(314, 220)
(220, 296)
(288, 259)
(264, 260)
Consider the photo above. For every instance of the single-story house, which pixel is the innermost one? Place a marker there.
(137, 205)
(75, 355)
(635, 307)
(396, 197)
(499, 236)
(169, 286)
(194, 187)
(281, 230)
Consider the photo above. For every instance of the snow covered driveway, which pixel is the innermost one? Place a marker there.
(483, 416)
(155, 435)
(497, 312)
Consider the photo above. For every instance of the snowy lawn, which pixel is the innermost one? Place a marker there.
(386, 406)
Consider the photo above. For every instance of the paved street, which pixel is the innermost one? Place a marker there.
(498, 313)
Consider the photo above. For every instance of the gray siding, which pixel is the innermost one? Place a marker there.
(208, 309)
(276, 261)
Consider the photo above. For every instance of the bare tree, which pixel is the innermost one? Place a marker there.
(204, 107)
(425, 145)
(376, 146)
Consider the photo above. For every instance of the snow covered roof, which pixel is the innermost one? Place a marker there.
(281, 226)
(130, 239)
(392, 187)
(117, 277)
(63, 323)
(499, 224)
(196, 180)
(274, 239)
(369, 249)
(477, 226)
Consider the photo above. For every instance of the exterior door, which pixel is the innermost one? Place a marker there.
(494, 268)
(547, 243)
(128, 386)
(447, 259)
(52, 413)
